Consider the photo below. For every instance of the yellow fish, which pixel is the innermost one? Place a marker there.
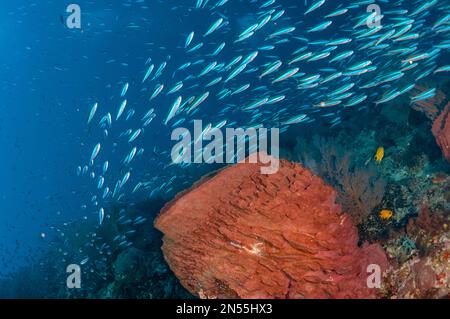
(386, 214)
(379, 154)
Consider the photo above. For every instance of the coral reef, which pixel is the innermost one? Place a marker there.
(441, 131)
(417, 190)
(247, 235)
(279, 236)
(424, 269)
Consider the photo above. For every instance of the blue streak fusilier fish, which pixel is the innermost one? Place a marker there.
(416, 58)
(95, 152)
(233, 63)
(184, 66)
(218, 49)
(236, 72)
(130, 114)
(443, 20)
(369, 32)
(135, 189)
(256, 104)
(214, 82)
(189, 39)
(149, 71)
(445, 68)
(301, 57)
(356, 100)
(407, 37)
(199, 101)
(424, 96)
(121, 109)
(329, 103)
(331, 77)
(196, 47)
(286, 75)
(407, 88)
(157, 91)
(105, 167)
(267, 18)
(135, 135)
(105, 193)
(241, 89)
(337, 13)
(339, 41)
(384, 37)
(402, 31)
(271, 68)
(388, 97)
(342, 89)
(276, 99)
(319, 56)
(175, 88)
(101, 215)
(359, 65)
(310, 78)
(244, 37)
(250, 58)
(296, 119)
(316, 5)
(214, 27)
(423, 7)
(267, 3)
(250, 29)
(281, 32)
(92, 113)
(124, 179)
(160, 70)
(320, 26)
(124, 90)
(130, 156)
(208, 68)
(101, 181)
(173, 109)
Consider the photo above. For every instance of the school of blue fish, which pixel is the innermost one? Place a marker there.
(339, 64)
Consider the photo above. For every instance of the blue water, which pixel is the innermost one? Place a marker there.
(51, 76)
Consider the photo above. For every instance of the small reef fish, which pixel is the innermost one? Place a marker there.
(316, 5)
(214, 27)
(92, 113)
(189, 39)
(124, 90)
(173, 110)
(386, 214)
(286, 75)
(121, 109)
(149, 71)
(379, 154)
(95, 152)
(101, 215)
